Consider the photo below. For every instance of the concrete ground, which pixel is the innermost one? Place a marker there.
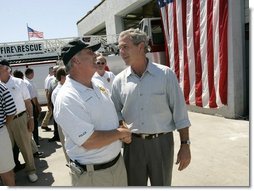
(220, 156)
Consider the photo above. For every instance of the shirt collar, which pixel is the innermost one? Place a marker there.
(150, 69)
(78, 85)
(129, 71)
(27, 79)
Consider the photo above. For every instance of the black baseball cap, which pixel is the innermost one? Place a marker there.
(4, 63)
(74, 46)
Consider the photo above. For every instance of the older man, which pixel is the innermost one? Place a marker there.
(85, 112)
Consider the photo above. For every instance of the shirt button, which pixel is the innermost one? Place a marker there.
(142, 123)
(142, 109)
(141, 94)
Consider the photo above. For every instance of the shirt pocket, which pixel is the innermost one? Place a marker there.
(158, 102)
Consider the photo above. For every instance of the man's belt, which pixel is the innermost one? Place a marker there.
(148, 136)
(19, 115)
(101, 166)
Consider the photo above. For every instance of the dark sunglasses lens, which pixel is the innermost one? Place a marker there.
(102, 63)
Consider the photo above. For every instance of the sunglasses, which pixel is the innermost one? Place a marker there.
(98, 63)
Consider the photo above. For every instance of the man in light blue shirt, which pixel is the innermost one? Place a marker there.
(148, 99)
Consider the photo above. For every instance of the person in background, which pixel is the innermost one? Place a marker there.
(52, 86)
(7, 112)
(148, 98)
(36, 152)
(29, 75)
(106, 77)
(18, 165)
(60, 76)
(22, 126)
(89, 121)
(18, 74)
(48, 79)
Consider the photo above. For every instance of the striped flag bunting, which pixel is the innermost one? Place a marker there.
(196, 34)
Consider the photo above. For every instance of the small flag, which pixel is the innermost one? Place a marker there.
(34, 33)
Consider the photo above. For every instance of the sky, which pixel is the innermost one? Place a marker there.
(55, 18)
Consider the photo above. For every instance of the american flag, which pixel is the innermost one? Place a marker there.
(196, 33)
(34, 33)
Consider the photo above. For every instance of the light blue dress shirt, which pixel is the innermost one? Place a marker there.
(152, 103)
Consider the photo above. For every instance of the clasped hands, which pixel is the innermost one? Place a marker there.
(125, 133)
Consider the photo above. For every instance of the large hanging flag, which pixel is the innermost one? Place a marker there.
(196, 33)
(34, 33)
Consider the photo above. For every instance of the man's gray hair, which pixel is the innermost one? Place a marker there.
(137, 36)
(68, 66)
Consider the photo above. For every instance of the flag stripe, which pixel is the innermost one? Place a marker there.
(186, 86)
(203, 52)
(165, 21)
(180, 41)
(210, 55)
(216, 69)
(191, 61)
(223, 20)
(196, 36)
(171, 36)
(176, 50)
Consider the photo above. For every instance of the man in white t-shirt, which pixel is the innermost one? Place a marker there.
(86, 113)
(60, 76)
(49, 78)
(106, 77)
(29, 75)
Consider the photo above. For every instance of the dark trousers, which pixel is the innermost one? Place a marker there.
(16, 154)
(56, 134)
(36, 124)
(36, 131)
(151, 159)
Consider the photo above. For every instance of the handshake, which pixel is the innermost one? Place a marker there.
(125, 132)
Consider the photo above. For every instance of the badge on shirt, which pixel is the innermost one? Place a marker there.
(103, 90)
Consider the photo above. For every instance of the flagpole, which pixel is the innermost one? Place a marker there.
(27, 32)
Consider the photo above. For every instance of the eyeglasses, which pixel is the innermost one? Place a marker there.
(98, 63)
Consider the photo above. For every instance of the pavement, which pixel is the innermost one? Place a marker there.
(220, 151)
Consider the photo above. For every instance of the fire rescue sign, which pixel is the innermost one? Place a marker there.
(21, 49)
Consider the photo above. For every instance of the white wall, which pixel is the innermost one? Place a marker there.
(107, 15)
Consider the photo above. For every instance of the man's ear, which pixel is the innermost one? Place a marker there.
(75, 60)
(141, 46)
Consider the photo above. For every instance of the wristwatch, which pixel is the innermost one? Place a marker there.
(187, 142)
